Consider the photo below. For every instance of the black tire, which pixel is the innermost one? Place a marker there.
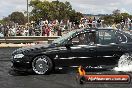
(42, 65)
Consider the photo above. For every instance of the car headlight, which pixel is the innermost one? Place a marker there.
(19, 56)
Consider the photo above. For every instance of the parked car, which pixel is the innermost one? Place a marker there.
(86, 47)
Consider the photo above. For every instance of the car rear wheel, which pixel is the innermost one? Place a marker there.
(125, 60)
(42, 65)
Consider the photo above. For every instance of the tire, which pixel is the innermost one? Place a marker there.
(42, 65)
(125, 60)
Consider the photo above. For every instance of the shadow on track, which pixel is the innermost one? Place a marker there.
(68, 71)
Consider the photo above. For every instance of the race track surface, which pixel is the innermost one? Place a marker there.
(60, 79)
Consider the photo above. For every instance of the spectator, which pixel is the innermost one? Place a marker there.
(1, 35)
(55, 28)
(98, 22)
(6, 29)
(43, 31)
(13, 31)
(122, 23)
(25, 32)
(81, 25)
(59, 32)
(37, 31)
(19, 31)
(94, 22)
(90, 22)
(128, 24)
(76, 24)
(30, 31)
(47, 30)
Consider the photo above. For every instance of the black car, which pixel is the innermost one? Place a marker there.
(85, 47)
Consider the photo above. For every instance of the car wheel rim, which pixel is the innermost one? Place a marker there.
(40, 65)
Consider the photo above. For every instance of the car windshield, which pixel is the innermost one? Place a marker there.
(64, 37)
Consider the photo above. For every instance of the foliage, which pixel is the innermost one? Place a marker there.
(109, 20)
(5, 20)
(53, 10)
(17, 17)
(116, 12)
(116, 17)
(45, 10)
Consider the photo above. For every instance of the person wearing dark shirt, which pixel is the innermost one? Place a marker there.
(122, 23)
(98, 22)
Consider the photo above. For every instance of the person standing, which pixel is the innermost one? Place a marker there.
(94, 22)
(47, 30)
(30, 31)
(43, 31)
(25, 31)
(129, 23)
(98, 22)
(122, 23)
(59, 33)
(90, 22)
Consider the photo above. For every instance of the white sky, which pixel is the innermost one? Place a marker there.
(84, 6)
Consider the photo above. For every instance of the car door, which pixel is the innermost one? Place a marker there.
(84, 55)
(82, 51)
(107, 47)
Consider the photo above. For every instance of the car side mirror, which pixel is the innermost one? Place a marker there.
(68, 46)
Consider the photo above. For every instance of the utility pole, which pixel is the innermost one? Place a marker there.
(28, 17)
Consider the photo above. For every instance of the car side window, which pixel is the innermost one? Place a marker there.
(106, 37)
(83, 39)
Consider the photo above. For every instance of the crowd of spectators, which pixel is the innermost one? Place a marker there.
(55, 28)
(44, 28)
(126, 23)
(90, 22)
(52, 28)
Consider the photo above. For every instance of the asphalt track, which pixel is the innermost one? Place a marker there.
(60, 79)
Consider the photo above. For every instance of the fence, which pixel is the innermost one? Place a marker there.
(27, 39)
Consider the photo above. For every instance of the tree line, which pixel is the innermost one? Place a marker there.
(45, 10)
(115, 17)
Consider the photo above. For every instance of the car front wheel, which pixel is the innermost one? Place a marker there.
(42, 65)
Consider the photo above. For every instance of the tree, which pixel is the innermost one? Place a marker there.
(17, 17)
(116, 12)
(116, 17)
(52, 10)
(75, 16)
(108, 20)
(5, 20)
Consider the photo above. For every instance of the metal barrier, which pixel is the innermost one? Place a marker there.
(27, 39)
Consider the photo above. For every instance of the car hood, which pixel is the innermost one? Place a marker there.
(28, 49)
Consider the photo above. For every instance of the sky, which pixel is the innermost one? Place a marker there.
(83, 6)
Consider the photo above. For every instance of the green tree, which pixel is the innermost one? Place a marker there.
(116, 12)
(17, 17)
(5, 20)
(108, 20)
(52, 10)
(116, 17)
(75, 16)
